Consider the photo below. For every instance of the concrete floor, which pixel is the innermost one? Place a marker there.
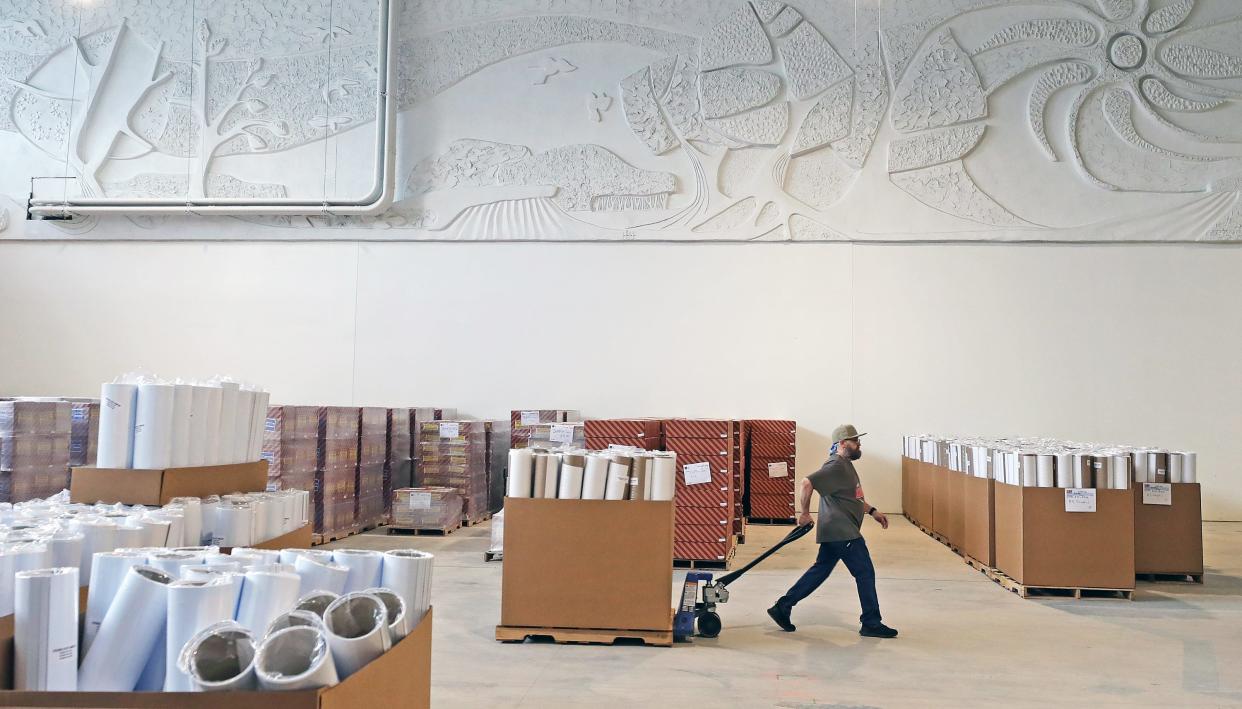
(964, 640)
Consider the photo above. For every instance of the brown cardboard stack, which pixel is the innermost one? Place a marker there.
(372, 457)
(637, 433)
(423, 414)
(291, 447)
(704, 514)
(335, 475)
(34, 448)
(84, 436)
(426, 508)
(770, 468)
(399, 459)
(524, 423)
(453, 454)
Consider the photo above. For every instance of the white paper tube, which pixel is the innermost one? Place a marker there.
(241, 425)
(1120, 473)
(398, 626)
(257, 556)
(257, 422)
(170, 562)
(570, 487)
(196, 448)
(202, 574)
(316, 602)
(98, 535)
(521, 471)
(408, 572)
(117, 406)
(1030, 471)
(183, 404)
(663, 476)
(220, 659)
(595, 477)
(1175, 467)
(1139, 464)
(192, 607)
(552, 477)
(1083, 477)
(45, 630)
(129, 632)
(618, 478)
(66, 549)
(208, 507)
(233, 525)
(318, 576)
(1045, 475)
(211, 427)
(364, 566)
(540, 475)
(290, 556)
(357, 631)
(1065, 470)
(228, 422)
(1190, 467)
(155, 531)
(296, 658)
(153, 424)
(294, 619)
(29, 556)
(264, 596)
(191, 519)
(7, 571)
(267, 515)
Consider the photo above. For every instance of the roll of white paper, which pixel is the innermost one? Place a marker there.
(191, 519)
(254, 557)
(66, 549)
(28, 556)
(233, 525)
(618, 478)
(220, 659)
(208, 507)
(182, 424)
(98, 536)
(1190, 467)
(1083, 477)
(663, 475)
(521, 471)
(7, 571)
(552, 477)
(295, 619)
(1120, 472)
(296, 658)
(258, 420)
(242, 424)
(45, 630)
(408, 573)
(398, 625)
(1139, 463)
(133, 624)
(571, 478)
(170, 561)
(318, 576)
(1045, 471)
(264, 596)
(357, 631)
(156, 532)
(595, 478)
(290, 556)
(228, 422)
(211, 427)
(316, 602)
(117, 406)
(234, 578)
(364, 565)
(1030, 471)
(1065, 470)
(200, 397)
(192, 607)
(1175, 467)
(540, 475)
(153, 424)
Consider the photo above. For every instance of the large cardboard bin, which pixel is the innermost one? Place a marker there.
(907, 488)
(926, 501)
(941, 511)
(158, 487)
(1038, 543)
(590, 564)
(979, 516)
(1168, 539)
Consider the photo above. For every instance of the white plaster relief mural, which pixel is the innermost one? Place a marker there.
(748, 120)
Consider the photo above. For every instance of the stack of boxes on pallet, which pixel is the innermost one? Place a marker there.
(637, 433)
(34, 448)
(530, 426)
(741, 437)
(426, 508)
(337, 470)
(399, 459)
(454, 454)
(372, 459)
(84, 433)
(704, 525)
(770, 469)
(291, 447)
(424, 414)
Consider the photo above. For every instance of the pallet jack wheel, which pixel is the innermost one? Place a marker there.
(708, 624)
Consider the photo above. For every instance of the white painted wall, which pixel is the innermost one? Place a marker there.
(1119, 343)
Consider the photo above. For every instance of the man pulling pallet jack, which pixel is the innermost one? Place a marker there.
(841, 512)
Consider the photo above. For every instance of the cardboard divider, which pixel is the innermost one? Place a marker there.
(1168, 539)
(89, 485)
(979, 513)
(597, 564)
(299, 538)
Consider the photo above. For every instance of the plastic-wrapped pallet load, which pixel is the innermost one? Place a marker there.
(427, 508)
(454, 454)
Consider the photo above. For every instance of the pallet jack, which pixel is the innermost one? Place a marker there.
(699, 617)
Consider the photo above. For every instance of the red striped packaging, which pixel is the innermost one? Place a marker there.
(699, 447)
(772, 450)
(705, 496)
(761, 484)
(772, 506)
(702, 533)
(698, 428)
(714, 516)
(760, 438)
(772, 426)
(623, 428)
(603, 442)
(703, 551)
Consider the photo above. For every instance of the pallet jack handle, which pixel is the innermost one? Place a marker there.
(794, 535)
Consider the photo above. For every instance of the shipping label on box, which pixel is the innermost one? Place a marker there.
(420, 500)
(450, 429)
(778, 470)
(1080, 500)
(530, 418)
(562, 434)
(1157, 494)
(697, 473)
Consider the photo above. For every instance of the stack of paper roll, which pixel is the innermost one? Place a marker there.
(151, 424)
(572, 474)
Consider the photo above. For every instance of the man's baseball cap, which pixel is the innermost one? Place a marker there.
(844, 431)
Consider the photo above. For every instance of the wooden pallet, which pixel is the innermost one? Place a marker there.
(421, 532)
(977, 565)
(776, 521)
(584, 636)
(336, 536)
(1077, 593)
(476, 521)
(716, 564)
(493, 556)
(1170, 578)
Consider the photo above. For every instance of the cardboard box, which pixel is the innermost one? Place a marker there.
(297, 539)
(157, 487)
(587, 564)
(955, 528)
(1168, 539)
(399, 677)
(940, 499)
(1038, 543)
(698, 428)
(926, 501)
(907, 489)
(979, 511)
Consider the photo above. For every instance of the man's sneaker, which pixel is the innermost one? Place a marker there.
(875, 631)
(780, 614)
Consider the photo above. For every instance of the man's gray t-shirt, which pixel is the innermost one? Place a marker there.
(840, 501)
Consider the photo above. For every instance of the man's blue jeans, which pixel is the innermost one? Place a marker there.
(857, 559)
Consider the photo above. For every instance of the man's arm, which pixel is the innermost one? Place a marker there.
(804, 503)
(876, 514)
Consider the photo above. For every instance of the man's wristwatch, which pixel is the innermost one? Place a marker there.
(871, 512)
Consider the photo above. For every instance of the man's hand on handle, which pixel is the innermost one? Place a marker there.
(804, 519)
